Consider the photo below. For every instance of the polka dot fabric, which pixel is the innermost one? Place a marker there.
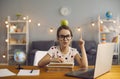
(55, 52)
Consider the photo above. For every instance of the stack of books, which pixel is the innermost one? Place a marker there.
(67, 66)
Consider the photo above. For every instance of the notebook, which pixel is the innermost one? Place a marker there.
(102, 65)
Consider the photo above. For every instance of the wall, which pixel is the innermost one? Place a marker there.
(47, 12)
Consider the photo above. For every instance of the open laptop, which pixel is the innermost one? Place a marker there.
(102, 65)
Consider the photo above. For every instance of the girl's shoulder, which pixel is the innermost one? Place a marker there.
(72, 49)
(54, 47)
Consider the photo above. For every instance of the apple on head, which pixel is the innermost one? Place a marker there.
(64, 22)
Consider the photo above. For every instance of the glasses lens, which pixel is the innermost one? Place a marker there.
(62, 37)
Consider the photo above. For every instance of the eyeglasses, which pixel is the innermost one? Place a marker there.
(62, 37)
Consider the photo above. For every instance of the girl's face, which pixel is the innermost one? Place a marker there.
(64, 38)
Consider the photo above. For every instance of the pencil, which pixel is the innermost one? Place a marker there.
(31, 71)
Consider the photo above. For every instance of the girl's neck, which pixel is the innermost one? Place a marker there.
(64, 50)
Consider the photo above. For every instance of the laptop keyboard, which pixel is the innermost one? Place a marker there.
(82, 73)
(89, 73)
(85, 71)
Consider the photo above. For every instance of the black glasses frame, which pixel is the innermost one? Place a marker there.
(62, 37)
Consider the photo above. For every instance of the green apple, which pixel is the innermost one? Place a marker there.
(64, 22)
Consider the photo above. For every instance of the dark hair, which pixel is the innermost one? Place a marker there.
(64, 27)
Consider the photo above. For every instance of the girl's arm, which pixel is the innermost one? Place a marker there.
(82, 61)
(47, 59)
(44, 61)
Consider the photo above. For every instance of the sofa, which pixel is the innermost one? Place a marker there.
(90, 46)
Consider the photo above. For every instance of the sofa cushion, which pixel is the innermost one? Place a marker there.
(90, 45)
(92, 51)
(42, 45)
(76, 45)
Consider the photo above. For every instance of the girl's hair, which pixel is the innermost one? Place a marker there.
(64, 27)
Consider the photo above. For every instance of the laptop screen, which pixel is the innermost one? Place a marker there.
(103, 59)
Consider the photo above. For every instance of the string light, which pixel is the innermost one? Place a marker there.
(38, 24)
(78, 29)
(6, 22)
(24, 18)
(6, 40)
(51, 29)
(101, 22)
(29, 20)
(93, 24)
(7, 26)
(4, 56)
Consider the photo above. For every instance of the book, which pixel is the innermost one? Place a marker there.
(52, 66)
(61, 64)
(52, 69)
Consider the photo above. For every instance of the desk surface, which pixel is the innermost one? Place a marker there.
(113, 74)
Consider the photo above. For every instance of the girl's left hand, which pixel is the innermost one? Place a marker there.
(81, 42)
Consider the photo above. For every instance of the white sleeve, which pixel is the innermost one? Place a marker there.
(74, 51)
(51, 51)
